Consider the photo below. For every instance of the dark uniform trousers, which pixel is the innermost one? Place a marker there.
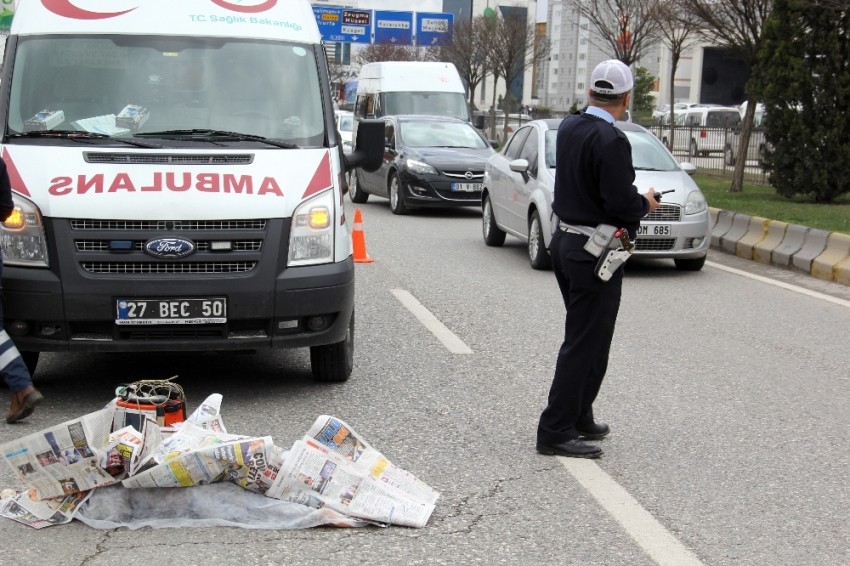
(592, 307)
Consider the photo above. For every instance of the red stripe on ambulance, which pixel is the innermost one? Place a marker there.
(321, 178)
(14, 176)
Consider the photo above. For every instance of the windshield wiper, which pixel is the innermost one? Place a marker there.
(214, 136)
(80, 136)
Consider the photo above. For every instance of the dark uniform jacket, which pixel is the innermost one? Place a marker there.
(594, 177)
(6, 204)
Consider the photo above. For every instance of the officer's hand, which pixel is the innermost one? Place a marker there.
(653, 203)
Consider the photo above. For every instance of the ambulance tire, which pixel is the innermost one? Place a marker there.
(31, 361)
(355, 193)
(333, 363)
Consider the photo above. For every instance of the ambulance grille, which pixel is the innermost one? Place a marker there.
(95, 224)
(145, 268)
(168, 158)
(138, 245)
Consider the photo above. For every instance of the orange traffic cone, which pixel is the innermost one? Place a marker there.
(359, 240)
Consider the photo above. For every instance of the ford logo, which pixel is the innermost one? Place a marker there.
(169, 247)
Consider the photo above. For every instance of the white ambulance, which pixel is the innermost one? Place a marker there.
(178, 181)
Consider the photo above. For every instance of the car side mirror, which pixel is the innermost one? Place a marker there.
(688, 167)
(519, 166)
(368, 151)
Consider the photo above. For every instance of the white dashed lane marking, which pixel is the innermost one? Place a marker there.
(448, 338)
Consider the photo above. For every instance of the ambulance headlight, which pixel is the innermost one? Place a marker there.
(311, 237)
(22, 237)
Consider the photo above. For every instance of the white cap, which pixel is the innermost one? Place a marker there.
(611, 77)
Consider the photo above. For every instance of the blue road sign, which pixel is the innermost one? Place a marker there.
(393, 27)
(433, 28)
(344, 25)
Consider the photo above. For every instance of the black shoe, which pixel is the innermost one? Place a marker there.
(593, 431)
(572, 448)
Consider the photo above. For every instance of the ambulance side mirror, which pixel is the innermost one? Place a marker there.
(368, 151)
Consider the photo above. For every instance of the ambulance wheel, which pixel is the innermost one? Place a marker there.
(355, 193)
(334, 362)
(31, 360)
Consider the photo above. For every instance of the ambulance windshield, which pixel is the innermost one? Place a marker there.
(126, 85)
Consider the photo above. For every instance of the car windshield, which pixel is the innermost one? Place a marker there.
(648, 154)
(124, 85)
(551, 138)
(440, 134)
(451, 104)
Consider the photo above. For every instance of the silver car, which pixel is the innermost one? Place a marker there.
(519, 184)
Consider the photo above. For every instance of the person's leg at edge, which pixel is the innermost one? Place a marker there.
(582, 359)
(24, 396)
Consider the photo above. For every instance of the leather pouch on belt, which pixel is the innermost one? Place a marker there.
(619, 250)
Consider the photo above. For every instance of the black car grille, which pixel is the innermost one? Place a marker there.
(474, 176)
(654, 244)
(665, 213)
(117, 247)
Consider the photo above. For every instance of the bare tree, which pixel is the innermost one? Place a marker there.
(626, 28)
(467, 50)
(736, 25)
(375, 52)
(677, 30)
(515, 48)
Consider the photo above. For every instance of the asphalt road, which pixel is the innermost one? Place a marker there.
(727, 395)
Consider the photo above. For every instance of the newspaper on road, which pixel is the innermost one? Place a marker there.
(331, 467)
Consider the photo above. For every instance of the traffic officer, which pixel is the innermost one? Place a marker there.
(594, 184)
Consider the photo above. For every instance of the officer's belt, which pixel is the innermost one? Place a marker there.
(576, 229)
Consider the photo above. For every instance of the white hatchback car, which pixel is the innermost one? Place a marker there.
(519, 185)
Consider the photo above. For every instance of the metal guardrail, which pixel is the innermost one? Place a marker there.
(713, 158)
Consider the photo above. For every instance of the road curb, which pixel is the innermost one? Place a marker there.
(822, 254)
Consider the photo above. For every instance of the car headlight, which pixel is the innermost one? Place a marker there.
(695, 203)
(22, 236)
(311, 237)
(420, 168)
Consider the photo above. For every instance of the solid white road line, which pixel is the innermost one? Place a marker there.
(781, 284)
(454, 344)
(648, 533)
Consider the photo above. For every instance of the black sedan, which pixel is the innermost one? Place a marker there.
(428, 161)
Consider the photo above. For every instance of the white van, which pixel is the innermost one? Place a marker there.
(701, 129)
(410, 87)
(178, 181)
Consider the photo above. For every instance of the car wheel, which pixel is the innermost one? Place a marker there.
(690, 264)
(692, 149)
(397, 196)
(728, 156)
(355, 193)
(538, 255)
(334, 362)
(493, 235)
(30, 360)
